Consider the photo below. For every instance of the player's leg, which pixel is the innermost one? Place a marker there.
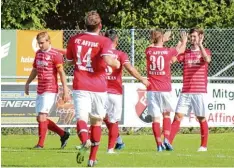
(154, 109)
(96, 117)
(41, 119)
(167, 108)
(182, 108)
(108, 107)
(82, 104)
(49, 100)
(42, 129)
(114, 116)
(199, 110)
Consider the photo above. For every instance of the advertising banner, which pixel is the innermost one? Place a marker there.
(17, 108)
(27, 47)
(8, 54)
(219, 106)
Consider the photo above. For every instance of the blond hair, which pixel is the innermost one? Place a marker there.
(43, 35)
(156, 35)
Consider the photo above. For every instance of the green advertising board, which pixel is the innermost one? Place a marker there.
(8, 54)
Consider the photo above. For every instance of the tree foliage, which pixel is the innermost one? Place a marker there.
(26, 14)
(145, 13)
(69, 14)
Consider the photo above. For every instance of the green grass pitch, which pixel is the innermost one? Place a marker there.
(140, 151)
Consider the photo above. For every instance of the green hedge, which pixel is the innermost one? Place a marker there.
(125, 131)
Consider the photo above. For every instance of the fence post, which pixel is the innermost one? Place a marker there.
(132, 32)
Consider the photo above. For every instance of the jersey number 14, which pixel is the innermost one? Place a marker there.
(86, 59)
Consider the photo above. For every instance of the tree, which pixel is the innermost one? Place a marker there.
(26, 14)
(145, 13)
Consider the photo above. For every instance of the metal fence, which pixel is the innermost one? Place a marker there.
(135, 41)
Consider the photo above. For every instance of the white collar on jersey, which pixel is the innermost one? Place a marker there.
(195, 49)
(47, 49)
(91, 33)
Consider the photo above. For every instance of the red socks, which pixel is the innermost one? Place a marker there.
(157, 133)
(42, 130)
(166, 127)
(107, 122)
(113, 135)
(95, 138)
(175, 126)
(53, 127)
(204, 133)
(82, 130)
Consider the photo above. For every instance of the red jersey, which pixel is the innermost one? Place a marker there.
(87, 51)
(158, 67)
(46, 63)
(114, 78)
(195, 71)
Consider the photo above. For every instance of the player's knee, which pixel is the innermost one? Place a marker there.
(95, 121)
(179, 116)
(41, 117)
(201, 119)
(166, 115)
(156, 119)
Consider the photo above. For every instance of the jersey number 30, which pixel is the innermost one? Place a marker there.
(156, 63)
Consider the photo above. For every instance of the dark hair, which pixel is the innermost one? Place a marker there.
(111, 34)
(92, 20)
(196, 29)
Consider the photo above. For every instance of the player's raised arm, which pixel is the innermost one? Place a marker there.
(31, 77)
(181, 46)
(205, 54)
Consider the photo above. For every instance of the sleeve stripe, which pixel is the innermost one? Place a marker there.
(107, 54)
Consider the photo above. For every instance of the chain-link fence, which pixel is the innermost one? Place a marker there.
(134, 42)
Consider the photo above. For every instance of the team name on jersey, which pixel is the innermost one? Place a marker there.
(193, 61)
(157, 52)
(86, 43)
(83, 68)
(111, 77)
(42, 63)
(157, 72)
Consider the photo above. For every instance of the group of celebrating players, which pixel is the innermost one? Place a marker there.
(97, 85)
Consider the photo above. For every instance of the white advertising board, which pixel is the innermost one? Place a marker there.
(219, 106)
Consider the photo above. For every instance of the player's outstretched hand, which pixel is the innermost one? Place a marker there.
(201, 38)
(184, 36)
(145, 82)
(167, 36)
(26, 89)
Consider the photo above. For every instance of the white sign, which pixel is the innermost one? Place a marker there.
(219, 106)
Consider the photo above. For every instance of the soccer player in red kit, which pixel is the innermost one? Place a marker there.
(159, 59)
(47, 64)
(114, 101)
(195, 68)
(90, 53)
